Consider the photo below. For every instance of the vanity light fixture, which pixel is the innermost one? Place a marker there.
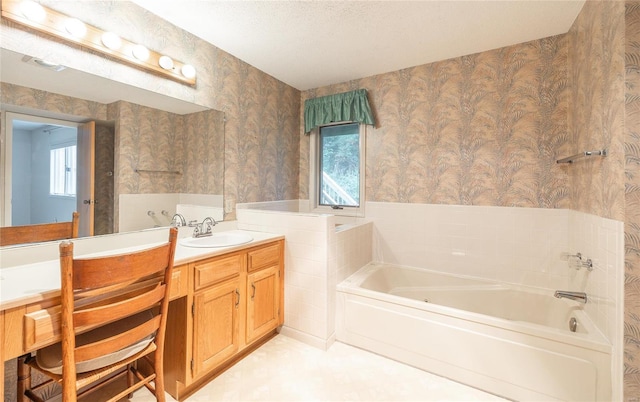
(166, 62)
(33, 15)
(75, 27)
(111, 41)
(33, 11)
(140, 52)
(188, 71)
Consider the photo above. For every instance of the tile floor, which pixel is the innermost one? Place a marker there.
(284, 369)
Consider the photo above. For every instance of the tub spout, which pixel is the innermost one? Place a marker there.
(578, 296)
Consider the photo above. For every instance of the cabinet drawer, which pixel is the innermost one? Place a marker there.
(264, 257)
(215, 270)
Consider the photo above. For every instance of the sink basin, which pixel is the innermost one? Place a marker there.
(217, 240)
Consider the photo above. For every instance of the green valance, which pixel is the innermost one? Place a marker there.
(347, 106)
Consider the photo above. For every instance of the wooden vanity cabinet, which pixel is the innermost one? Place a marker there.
(216, 329)
(234, 302)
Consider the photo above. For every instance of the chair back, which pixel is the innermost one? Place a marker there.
(10, 235)
(98, 291)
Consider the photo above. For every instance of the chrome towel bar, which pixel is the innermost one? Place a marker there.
(570, 159)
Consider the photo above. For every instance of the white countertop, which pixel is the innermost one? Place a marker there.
(35, 281)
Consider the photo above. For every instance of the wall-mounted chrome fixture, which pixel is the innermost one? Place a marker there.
(572, 158)
(43, 19)
(582, 263)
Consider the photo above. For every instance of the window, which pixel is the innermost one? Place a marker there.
(63, 171)
(338, 177)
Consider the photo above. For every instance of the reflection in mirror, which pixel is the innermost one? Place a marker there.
(154, 155)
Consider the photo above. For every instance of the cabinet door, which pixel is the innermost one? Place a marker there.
(263, 304)
(215, 325)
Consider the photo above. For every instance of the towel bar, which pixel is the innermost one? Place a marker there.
(157, 171)
(570, 159)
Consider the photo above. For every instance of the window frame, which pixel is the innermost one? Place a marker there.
(314, 171)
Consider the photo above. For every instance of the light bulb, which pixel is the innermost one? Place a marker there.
(140, 52)
(188, 71)
(166, 62)
(75, 27)
(33, 11)
(111, 40)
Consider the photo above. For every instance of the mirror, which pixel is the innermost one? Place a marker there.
(167, 155)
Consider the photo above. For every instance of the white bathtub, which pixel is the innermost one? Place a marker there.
(513, 342)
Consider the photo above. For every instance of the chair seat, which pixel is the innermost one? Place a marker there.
(50, 358)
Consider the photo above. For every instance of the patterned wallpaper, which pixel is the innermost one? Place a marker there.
(30, 99)
(632, 199)
(596, 115)
(147, 139)
(203, 162)
(483, 129)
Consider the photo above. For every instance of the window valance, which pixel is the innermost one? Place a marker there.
(347, 106)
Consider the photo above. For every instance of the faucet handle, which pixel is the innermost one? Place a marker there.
(207, 225)
(588, 264)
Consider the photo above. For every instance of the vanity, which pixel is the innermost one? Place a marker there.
(225, 301)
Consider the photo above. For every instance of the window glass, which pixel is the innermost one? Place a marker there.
(63, 171)
(339, 163)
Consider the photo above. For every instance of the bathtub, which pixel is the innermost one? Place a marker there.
(511, 341)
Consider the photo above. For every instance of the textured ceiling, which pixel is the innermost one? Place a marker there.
(308, 44)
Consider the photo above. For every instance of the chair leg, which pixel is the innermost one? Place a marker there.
(159, 380)
(130, 379)
(24, 378)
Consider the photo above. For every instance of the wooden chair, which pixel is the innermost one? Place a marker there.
(11, 235)
(114, 312)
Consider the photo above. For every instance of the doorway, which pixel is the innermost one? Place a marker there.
(46, 163)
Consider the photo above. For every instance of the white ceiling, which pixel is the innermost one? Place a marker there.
(313, 43)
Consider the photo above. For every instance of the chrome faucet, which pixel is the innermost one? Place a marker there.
(205, 228)
(577, 296)
(178, 220)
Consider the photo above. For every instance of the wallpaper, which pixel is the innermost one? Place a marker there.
(261, 133)
(203, 162)
(596, 115)
(148, 139)
(33, 99)
(483, 129)
(632, 198)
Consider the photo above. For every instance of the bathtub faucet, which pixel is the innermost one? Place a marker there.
(578, 296)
